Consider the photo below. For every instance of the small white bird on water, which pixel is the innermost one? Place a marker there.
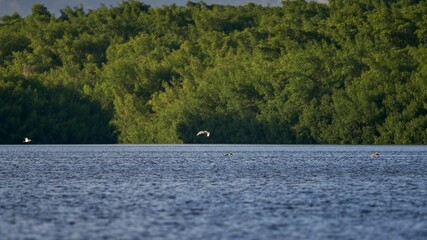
(26, 140)
(204, 133)
(375, 155)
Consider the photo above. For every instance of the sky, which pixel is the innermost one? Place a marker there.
(23, 7)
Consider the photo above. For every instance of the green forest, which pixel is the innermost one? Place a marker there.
(347, 72)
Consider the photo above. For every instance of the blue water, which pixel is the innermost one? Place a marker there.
(195, 192)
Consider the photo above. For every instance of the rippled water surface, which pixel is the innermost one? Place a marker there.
(195, 192)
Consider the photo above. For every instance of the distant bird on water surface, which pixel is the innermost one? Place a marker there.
(26, 140)
(375, 155)
(204, 133)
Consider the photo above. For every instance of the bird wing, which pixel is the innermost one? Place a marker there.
(204, 132)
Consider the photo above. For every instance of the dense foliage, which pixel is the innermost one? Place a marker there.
(350, 72)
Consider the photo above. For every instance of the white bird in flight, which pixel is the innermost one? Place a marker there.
(229, 154)
(26, 140)
(204, 133)
(375, 155)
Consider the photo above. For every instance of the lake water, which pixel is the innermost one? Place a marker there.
(195, 192)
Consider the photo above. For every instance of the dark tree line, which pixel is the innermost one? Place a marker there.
(350, 72)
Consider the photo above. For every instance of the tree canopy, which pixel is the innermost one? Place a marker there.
(349, 72)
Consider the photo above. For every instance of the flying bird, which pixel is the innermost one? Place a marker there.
(26, 140)
(375, 155)
(228, 154)
(204, 133)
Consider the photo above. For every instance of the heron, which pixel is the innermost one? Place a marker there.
(26, 140)
(204, 132)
